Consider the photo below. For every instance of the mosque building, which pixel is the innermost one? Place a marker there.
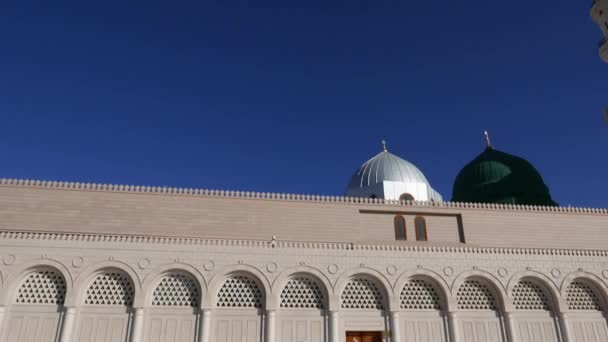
(391, 261)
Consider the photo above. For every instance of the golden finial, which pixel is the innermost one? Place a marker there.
(384, 145)
(488, 143)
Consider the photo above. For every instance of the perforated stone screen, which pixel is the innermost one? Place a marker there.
(240, 291)
(42, 287)
(362, 293)
(475, 295)
(418, 294)
(110, 288)
(582, 296)
(302, 293)
(176, 289)
(527, 295)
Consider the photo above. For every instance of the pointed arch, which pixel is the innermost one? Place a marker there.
(86, 277)
(16, 276)
(253, 273)
(323, 283)
(536, 284)
(153, 279)
(36, 294)
(371, 281)
(439, 284)
(487, 279)
(598, 282)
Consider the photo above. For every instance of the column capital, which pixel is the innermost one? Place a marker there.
(68, 309)
(138, 310)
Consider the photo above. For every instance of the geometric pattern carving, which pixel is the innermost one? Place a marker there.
(581, 296)
(475, 295)
(240, 291)
(361, 293)
(176, 289)
(42, 287)
(527, 295)
(111, 288)
(418, 294)
(302, 293)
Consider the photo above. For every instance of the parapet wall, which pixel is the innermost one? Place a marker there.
(158, 211)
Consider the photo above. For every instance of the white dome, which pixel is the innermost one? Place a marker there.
(389, 176)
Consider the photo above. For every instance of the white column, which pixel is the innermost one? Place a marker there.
(454, 328)
(334, 326)
(204, 326)
(2, 312)
(138, 325)
(270, 331)
(510, 327)
(67, 327)
(565, 328)
(395, 327)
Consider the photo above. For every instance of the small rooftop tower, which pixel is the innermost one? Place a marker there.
(599, 13)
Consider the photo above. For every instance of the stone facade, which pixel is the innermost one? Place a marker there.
(82, 262)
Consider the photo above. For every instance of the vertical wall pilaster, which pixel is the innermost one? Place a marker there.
(334, 326)
(395, 326)
(510, 327)
(204, 332)
(564, 327)
(270, 331)
(2, 314)
(138, 325)
(67, 327)
(453, 327)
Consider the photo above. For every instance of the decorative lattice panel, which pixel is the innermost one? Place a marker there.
(176, 289)
(475, 295)
(581, 296)
(240, 292)
(42, 287)
(361, 293)
(110, 288)
(302, 293)
(418, 294)
(529, 296)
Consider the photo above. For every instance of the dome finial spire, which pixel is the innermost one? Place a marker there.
(384, 145)
(488, 143)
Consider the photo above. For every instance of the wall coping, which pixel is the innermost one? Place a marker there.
(350, 246)
(249, 195)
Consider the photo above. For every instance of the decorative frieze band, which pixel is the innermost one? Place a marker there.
(156, 240)
(287, 197)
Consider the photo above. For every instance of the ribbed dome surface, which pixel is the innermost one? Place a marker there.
(384, 167)
(499, 177)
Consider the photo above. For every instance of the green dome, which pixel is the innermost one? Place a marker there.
(498, 177)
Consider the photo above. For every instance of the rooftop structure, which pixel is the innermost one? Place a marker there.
(391, 177)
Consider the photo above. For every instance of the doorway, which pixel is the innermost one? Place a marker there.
(363, 336)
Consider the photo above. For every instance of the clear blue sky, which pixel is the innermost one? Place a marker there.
(292, 96)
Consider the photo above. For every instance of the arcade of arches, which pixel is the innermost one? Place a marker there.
(302, 307)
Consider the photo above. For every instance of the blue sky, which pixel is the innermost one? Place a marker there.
(286, 96)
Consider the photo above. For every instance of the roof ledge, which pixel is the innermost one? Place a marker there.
(78, 186)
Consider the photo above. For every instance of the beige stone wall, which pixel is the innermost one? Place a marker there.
(38, 208)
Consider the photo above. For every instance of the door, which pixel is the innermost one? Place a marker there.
(363, 336)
